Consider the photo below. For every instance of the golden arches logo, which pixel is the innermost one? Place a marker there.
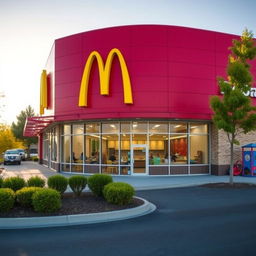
(104, 74)
(43, 92)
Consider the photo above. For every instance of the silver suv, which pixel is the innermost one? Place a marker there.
(12, 156)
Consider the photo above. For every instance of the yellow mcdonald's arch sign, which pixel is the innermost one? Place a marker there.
(104, 74)
(43, 92)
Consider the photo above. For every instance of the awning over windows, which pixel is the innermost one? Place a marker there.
(34, 125)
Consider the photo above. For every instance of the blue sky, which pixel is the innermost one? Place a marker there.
(28, 29)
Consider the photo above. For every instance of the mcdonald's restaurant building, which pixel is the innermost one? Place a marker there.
(134, 100)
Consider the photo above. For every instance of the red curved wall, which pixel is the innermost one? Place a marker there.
(173, 72)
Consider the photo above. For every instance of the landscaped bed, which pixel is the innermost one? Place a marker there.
(20, 198)
(86, 203)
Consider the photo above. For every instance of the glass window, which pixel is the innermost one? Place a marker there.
(139, 127)
(78, 128)
(197, 128)
(125, 149)
(66, 140)
(178, 127)
(198, 149)
(139, 139)
(178, 149)
(110, 128)
(77, 149)
(66, 129)
(92, 128)
(125, 127)
(158, 127)
(92, 149)
(110, 149)
(158, 149)
(54, 145)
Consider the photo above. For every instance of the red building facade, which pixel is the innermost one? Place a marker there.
(165, 130)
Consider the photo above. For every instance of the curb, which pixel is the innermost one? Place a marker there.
(78, 219)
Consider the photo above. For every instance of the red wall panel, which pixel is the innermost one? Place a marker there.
(172, 69)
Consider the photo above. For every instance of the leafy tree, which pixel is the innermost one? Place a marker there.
(7, 139)
(17, 128)
(234, 112)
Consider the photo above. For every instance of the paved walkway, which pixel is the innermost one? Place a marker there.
(28, 169)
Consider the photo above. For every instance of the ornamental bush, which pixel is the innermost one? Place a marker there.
(58, 182)
(1, 182)
(7, 199)
(36, 182)
(46, 200)
(14, 183)
(97, 182)
(24, 196)
(77, 184)
(118, 193)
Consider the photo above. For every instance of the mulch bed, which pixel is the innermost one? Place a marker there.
(86, 203)
(227, 185)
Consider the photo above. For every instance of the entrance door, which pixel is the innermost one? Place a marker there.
(139, 159)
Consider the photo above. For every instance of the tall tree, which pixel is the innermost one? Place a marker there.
(7, 140)
(18, 127)
(234, 112)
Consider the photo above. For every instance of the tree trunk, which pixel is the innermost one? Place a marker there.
(231, 182)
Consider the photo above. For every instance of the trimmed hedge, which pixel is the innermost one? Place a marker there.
(119, 193)
(77, 184)
(14, 183)
(24, 196)
(7, 199)
(36, 182)
(58, 182)
(97, 182)
(46, 200)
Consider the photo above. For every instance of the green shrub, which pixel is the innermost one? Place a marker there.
(77, 184)
(97, 182)
(7, 199)
(58, 182)
(1, 182)
(24, 195)
(118, 193)
(14, 183)
(36, 182)
(46, 200)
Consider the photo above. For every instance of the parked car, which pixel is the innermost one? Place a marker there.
(22, 153)
(12, 156)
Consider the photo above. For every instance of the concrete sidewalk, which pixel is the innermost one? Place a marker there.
(28, 169)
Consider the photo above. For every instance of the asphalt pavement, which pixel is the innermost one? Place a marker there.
(191, 221)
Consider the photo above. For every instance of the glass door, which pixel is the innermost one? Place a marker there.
(139, 159)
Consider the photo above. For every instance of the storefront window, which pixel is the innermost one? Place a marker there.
(66, 129)
(110, 149)
(166, 147)
(92, 128)
(178, 127)
(197, 128)
(78, 129)
(198, 149)
(158, 149)
(125, 127)
(178, 149)
(139, 127)
(66, 141)
(77, 149)
(92, 149)
(110, 128)
(125, 149)
(158, 127)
